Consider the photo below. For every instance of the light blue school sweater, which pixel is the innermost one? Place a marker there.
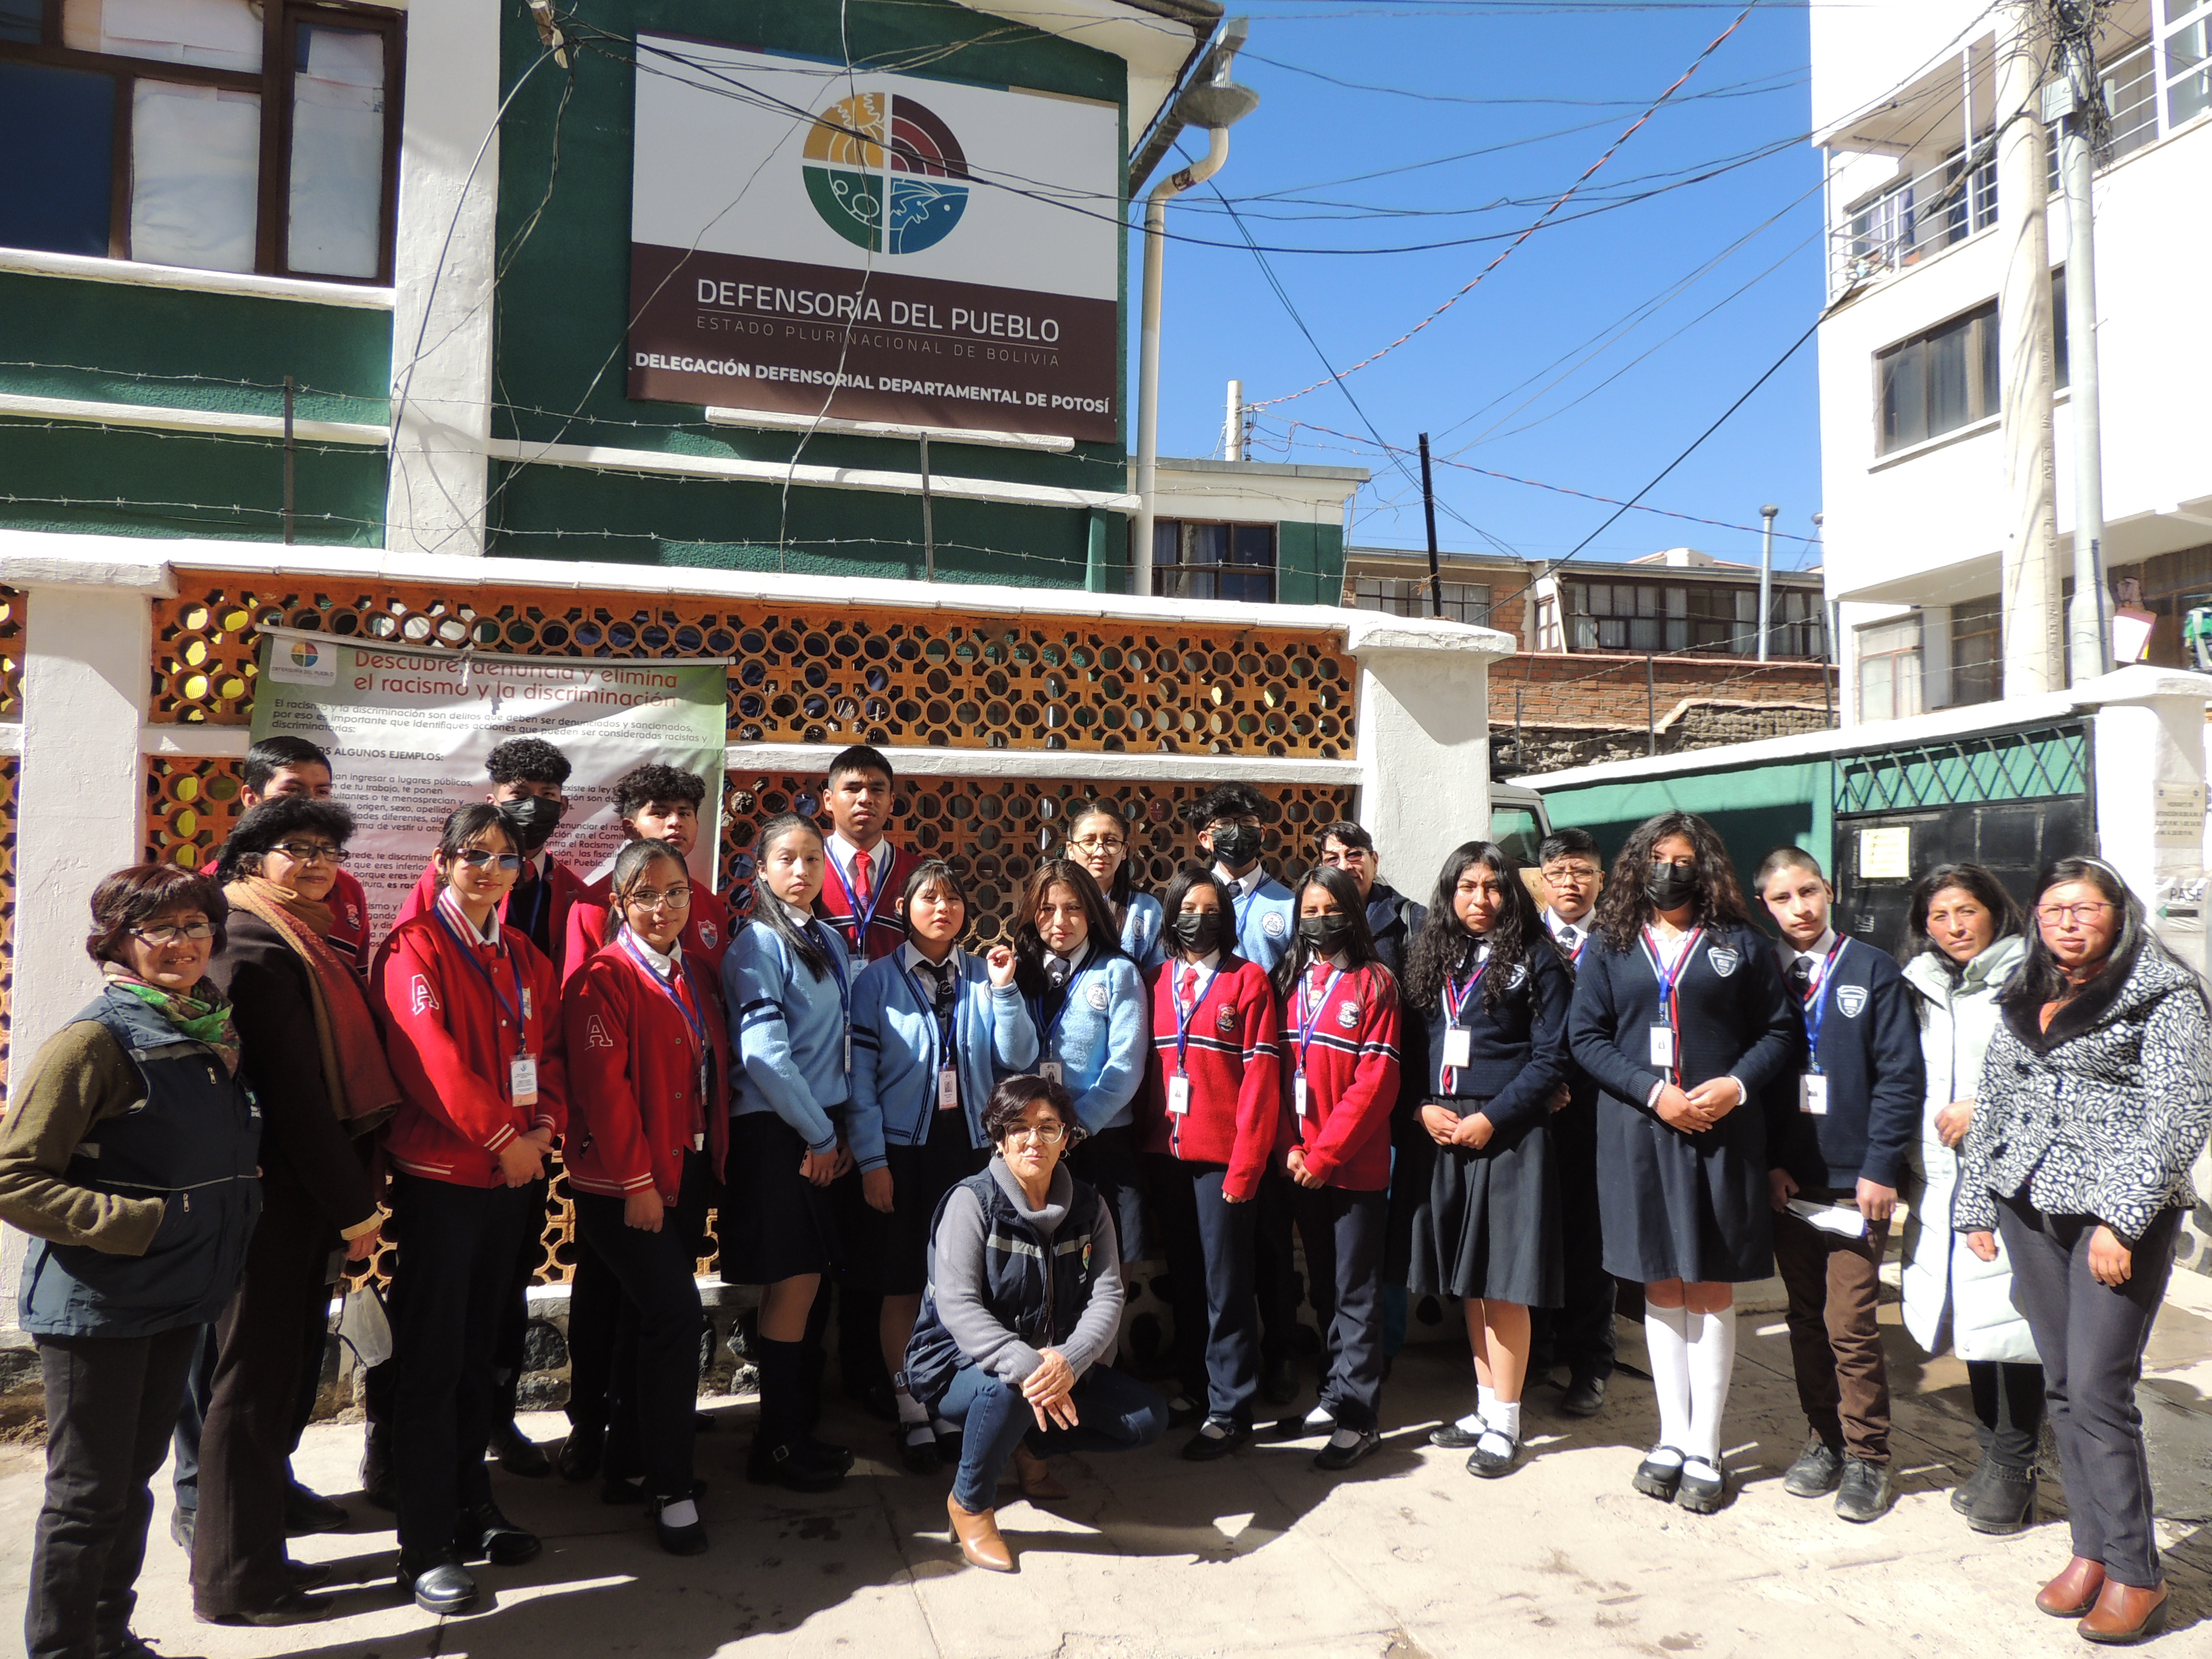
(1140, 932)
(1101, 1036)
(1264, 924)
(894, 1058)
(787, 1031)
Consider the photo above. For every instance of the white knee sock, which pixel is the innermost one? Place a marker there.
(1666, 1338)
(1711, 1366)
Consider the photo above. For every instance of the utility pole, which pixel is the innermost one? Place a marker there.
(2028, 582)
(1428, 512)
(2078, 99)
(1765, 577)
(1232, 429)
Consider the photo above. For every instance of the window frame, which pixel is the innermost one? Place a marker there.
(1412, 597)
(1915, 654)
(1980, 324)
(1164, 571)
(1714, 618)
(273, 85)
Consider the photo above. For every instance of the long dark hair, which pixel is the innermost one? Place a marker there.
(932, 873)
(1198, 875)
(1117, 895)
(1359, 942)
(1978, 885)
(1029, 948)
(803, 942)
(2039, 978)
(1438, 950)
(629, 864)
(1624, 908)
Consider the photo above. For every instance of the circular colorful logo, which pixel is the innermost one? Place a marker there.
(885, 173)
(305, 654)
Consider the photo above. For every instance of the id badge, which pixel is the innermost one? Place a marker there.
(526, 1003)
(522, 1079)
(1459, 1047)
(1662, 1047)
(1298, 1093)
(1179, 1095)
(1812, 1094)
(699, 1143)
(948, 1089)
(1052, 1071)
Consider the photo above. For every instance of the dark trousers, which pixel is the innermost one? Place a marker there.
(1114, 1413)
(1842, 1378)
(595, 1300)
(653, 1387)
(1347, 1282)
(1208, 1244)
(509, 1347)
(238, 1547)
(1579, 1334)
(111, 1404)
(1278, 1226)
(2092, 1339)
(2008, 1410)
(191, 1418)
(453, 1284)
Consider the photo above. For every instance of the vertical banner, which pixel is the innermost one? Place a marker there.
(808, 237)
(408, 730)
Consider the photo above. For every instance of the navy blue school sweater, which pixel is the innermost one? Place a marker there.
(1517, 1048)
(1736, 1019)
(1869, 1053)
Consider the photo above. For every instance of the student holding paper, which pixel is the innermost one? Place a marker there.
(1835, 1156)
(1680, 1015)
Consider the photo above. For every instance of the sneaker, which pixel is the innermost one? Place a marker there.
(1216, 1438)
(485, 1534)
(1704, 1488)
(1818, 1470)
(2005, 1503)
(1659, 1474)
(1346, 1446)
(1493, 1455)
(1866, 1492)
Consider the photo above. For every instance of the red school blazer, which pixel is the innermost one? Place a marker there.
(633, 1068)
(1231, 1059)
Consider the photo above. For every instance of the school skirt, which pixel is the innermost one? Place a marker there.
(1688, 1207)
(920, 1177)
(774, 1223)
(1109, 1161)
(1489, 1225)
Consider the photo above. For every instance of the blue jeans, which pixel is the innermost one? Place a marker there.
(1114, 1413)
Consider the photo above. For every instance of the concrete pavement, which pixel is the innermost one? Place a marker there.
(1407, 1556)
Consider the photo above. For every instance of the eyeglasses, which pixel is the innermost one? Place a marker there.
(310, 852)
(1047, 1134)
(477, 857)
(1099, 844)
(1570, 873)
(2080, 914)
(676, 898)
(1347, 857)
(167, 935)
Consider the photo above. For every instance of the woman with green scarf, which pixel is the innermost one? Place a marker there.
(131, 1158)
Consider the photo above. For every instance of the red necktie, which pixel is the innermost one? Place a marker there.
(863, 885)
(1188, 994)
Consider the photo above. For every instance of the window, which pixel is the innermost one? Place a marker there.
(1882, 230)
(1409, 595)
(1971, 194)
(1945, 380)
(222, 134)
(1659, 618)
(2131, 87)
(1214, 561)
(2188, 60)
(1977, 652)
(1889, 669)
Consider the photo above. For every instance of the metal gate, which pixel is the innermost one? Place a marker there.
(2009, 801)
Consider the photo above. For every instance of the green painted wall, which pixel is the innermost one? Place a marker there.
(563, 309)
(1755, 809)
(1309, 563)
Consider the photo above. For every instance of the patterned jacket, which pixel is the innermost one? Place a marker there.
(2103, 1114)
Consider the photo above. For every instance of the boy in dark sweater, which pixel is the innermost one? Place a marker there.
(1836, 1149)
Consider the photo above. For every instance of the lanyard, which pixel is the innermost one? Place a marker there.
(1669, 975)
(695, 1021)
(1456, 997)
(862, 921)
(542, 896)
(944, 1038)
(1184, 1016)
(1311, 1017)
(1814, 1010)
(833, 948)
(514, 1008)
(1051, 1029)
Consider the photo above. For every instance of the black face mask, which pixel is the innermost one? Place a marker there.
(1670, 886)
(1326, 933)
(533, 819)
(1237, 844)
(1199, 931)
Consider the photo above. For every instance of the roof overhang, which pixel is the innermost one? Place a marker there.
(1157, 39)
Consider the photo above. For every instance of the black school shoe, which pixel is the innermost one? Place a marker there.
(485, 1534)
(580, 1454)
(786, 1464)
(1818, 1470)
(677, 1540)
(1493, 1456)
(1656, 1478)
(1216, 1439)
(1865, 1493)
(439, 1584)
(1700, 1492)
(1452, 1438)
(1585, 1397)
(1342, 1454)
(518, 1453)
(307, 1511)
(290, 1608)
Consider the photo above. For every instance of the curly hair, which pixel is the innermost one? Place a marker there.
(527, 760)
(1436, 951)
(641, 786)
(269, 822)
(1624, 908)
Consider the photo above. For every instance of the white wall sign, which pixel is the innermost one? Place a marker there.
(1885, 854)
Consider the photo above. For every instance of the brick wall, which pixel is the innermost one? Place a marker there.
(1597, 690)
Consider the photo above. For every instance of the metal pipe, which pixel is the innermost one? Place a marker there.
(1428, 512)
(290, 496)
(2087, 635)
(1148, 347)
(928, 531)
(1651, 710)
(1765, 577)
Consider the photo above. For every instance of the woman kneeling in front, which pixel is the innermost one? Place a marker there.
(1025, 1294)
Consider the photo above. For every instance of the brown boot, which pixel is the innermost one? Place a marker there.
(2073, 1592)
(1036, 1476)
(2124, 1613)
(976, 1531)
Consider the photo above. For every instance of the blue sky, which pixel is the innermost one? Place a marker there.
(1487, 379)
